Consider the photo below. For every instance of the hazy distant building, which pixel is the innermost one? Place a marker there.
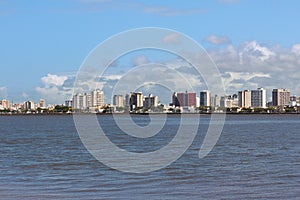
(205, 98)
(258, 98)
(127, 101)
(150, 101)
(5, 104)
(244, 98)
(227, 101)
(69, 103)
(42, 103)
(118, 101)
(234, 100)
(184, 99)
(212, 101)
(281, 97)
(216, 101)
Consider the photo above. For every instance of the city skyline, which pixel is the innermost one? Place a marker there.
(255, 98)
(41, 55)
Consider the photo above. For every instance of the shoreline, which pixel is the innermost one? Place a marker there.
(103, 114)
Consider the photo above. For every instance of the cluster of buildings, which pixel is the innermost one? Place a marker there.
(185, 102)
(137, 102)
(27, 106)
(250, 99)
(94, 102)
(87, 101)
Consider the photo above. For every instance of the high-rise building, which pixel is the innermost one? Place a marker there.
(212, 101)
(244, 98)
(175, 101)
(97, 98)
(184, 99)
(127, 101)
(281, 97)
(150, 101)
(216, 101)
(118, 101)
(42, 103)
(29, 105)
(87, 100)
(78, 101)
(5, 104)
(235, 100)
(258, 98)
(136, 100)
(191, 99)
(181, 99)
(205, 98)
(226, 101)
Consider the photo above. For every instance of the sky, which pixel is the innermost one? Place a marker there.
(43, 43)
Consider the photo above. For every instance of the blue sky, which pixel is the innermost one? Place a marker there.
(42, 41)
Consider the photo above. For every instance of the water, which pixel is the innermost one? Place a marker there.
(257, 156)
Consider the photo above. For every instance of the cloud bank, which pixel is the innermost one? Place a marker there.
(245, 66)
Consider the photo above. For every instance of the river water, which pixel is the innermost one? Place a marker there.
(257, 156)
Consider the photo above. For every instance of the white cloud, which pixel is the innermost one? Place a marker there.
(172, 38)
(58, 88)
(53, 80)
(162, 76)
(296, 49)
(252, 65)
(217, 40)
(258, 51)
(241, 80)
(262, 66)
(112, 77)
(140, 60)
(55, 88)
(245, 75)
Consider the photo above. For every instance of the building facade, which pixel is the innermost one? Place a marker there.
(42, 103)
(136, 100)
(281, 97)
(244, 99)
(87, 100)
(187, 99)
(5, 104)
(217, 101)
(118, 101)
(258, 98)
(150, 101)
(228, 101)
(97, 98)
(77, 101)
(205, 98)
(29, 105)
